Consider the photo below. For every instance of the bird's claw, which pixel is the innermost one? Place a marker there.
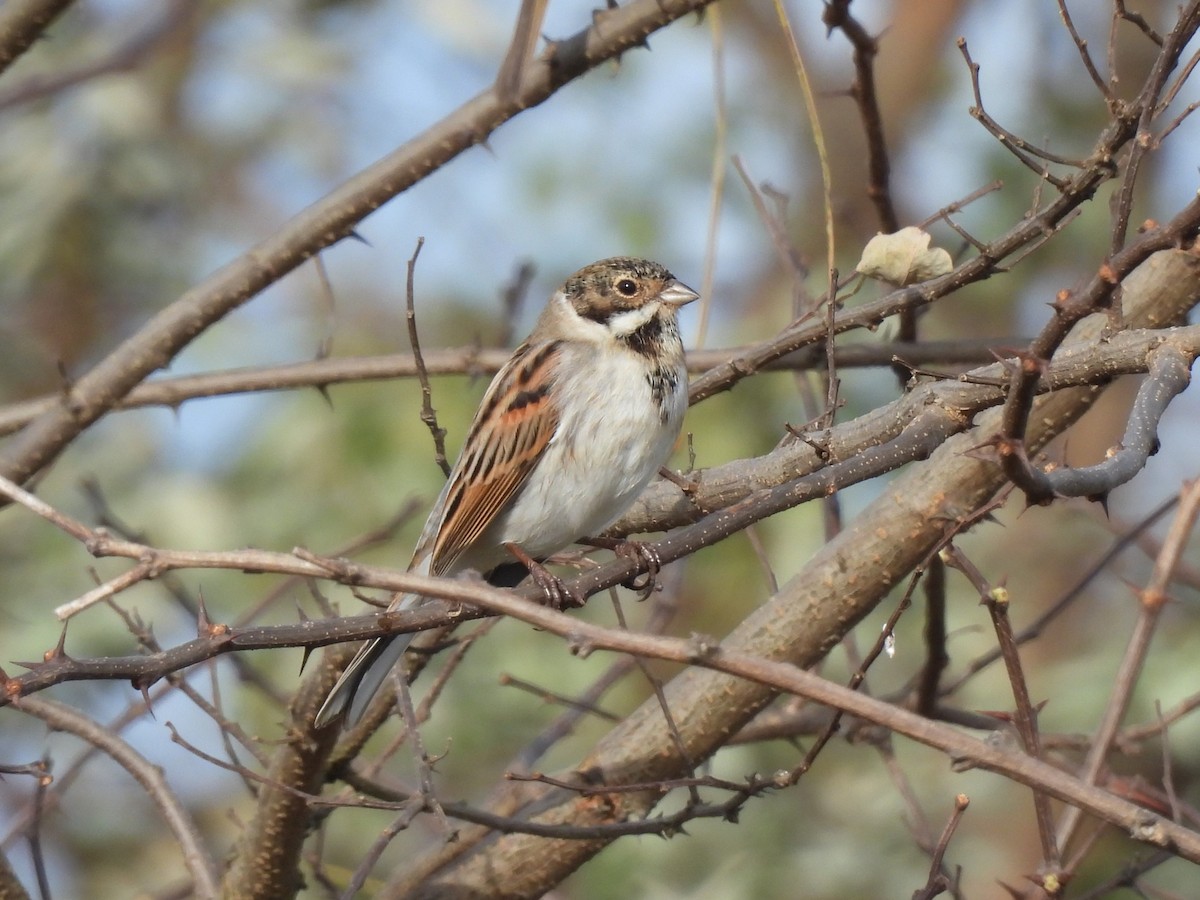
(646, 557)
(559, 596)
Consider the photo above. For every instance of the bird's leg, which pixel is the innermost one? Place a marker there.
(558, 595)
(643, 554)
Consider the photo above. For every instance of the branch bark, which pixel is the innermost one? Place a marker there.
(22, 22)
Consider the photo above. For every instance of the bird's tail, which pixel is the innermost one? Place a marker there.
(364, 676)
(370, 667)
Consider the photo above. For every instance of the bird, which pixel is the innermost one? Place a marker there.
(568, 434)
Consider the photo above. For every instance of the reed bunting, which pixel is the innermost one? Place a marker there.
(570, 431)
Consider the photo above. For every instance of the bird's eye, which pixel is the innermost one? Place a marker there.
(627, 287)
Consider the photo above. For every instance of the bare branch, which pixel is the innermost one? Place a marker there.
(1151, 600)
(1170, 374)
(428, 413)
(176, 390)
(22, 22)
(196, 857)
(1081, 45)
(124, 56)
(938, 880)
(995, 599)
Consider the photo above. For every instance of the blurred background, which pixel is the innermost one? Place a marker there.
(145, 144)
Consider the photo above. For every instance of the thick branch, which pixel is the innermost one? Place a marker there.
(1170, 372)
(266, 859)
(22, 22)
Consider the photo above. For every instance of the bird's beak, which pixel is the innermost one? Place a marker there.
(677, 294)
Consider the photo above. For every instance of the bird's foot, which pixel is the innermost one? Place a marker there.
(558, 594)
(643, 554)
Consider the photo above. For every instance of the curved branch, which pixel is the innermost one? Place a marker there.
(1170, 372)
(201, 866)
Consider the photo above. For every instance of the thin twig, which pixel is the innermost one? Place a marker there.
(1168, 767)
(408, 812)
(656, 685)
(1151, 600)
(856, 680)
(788, 255)
(995, 599)
(946, 213)
(526, 34)
(808, 94)
(837, 15)
(548, 696)
(1145, 109)
(34, 832)
(174, 391)
(720, 165)
(1081, 45)
(1018, 147)
(938, 881)
(1175, 87)
(512, 299)
(196, 857)
(1138, 20)
(428, 413)
(1035, 628)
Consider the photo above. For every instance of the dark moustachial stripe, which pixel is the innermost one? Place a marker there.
(595, 312)
(645, 339)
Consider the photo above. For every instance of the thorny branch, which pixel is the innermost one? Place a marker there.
(1169, 374)
(995, 599)
(1098, 294)
(1151, 600)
